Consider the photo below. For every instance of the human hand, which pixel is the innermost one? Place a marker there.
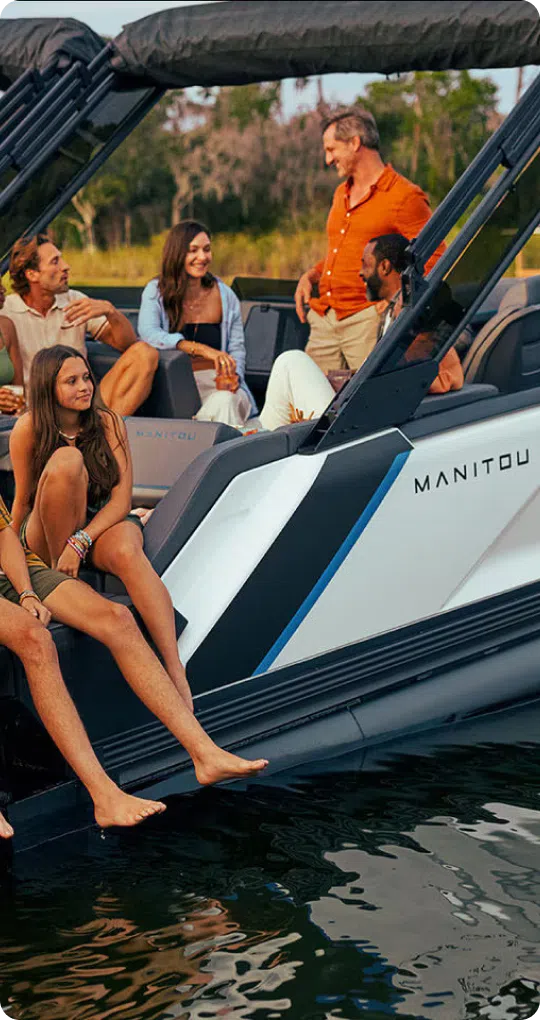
(36, 608)
(225, 379)
(143, 513)
(302, 295)
(10, 403)
(224, 363)
(78, 313)
(69, 562)
(296, 415)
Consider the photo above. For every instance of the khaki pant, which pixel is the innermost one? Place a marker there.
(342, 343)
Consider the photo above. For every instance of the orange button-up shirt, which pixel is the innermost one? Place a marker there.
(393, 205)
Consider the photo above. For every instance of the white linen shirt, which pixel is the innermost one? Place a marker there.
(36, 331)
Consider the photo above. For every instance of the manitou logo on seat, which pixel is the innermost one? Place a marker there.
(469, 472)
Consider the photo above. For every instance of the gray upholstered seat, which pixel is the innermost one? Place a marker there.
(174, 392)
(161, 449)
(506, 351)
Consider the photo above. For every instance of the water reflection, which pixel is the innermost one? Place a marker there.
(403, 885)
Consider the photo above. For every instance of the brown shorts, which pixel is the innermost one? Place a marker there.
(43, 581)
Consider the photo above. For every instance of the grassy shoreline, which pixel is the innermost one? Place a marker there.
(275, 255)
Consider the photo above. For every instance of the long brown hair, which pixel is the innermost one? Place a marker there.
(100, 462)
(173, 279)
(25, 255)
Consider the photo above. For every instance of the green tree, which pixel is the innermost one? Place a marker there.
(432, 124)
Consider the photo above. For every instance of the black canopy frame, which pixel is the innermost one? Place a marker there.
(65, 73)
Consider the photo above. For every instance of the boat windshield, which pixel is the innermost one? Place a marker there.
(491, 249)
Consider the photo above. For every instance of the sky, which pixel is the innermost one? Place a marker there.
(108, 16)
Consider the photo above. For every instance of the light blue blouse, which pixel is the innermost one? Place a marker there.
(153, 326)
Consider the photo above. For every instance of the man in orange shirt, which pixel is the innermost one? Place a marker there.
(298, 390)
(373, 200)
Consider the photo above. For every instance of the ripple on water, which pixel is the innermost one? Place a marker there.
(405, 886)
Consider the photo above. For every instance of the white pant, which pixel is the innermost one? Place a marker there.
(295, 379)
(221, 405)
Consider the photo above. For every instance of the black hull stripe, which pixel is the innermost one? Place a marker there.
(296, 560)
(334, 566)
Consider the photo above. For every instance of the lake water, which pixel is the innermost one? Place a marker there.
(400, 884)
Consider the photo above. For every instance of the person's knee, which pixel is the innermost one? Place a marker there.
(145, 357)
(124, 555)
(292, 361)
(66, 462)
(113, 620)
(36, 645)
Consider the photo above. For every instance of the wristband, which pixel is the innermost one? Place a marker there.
(83, 537)
(28, 593)
(77, 547)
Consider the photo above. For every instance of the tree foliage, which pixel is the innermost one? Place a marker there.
(229, 157)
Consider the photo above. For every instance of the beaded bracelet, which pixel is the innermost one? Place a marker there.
(28, 593)
(78, 547)
(81, 543)
(83, 536)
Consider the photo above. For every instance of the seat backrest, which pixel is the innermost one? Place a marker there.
(162, 448)
(506, 351)
(174, 392)
(270, 329)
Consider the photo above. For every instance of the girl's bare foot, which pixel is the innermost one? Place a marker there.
(119, 808)
(6, 831)
(220, 765)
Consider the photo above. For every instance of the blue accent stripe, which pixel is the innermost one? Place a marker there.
(334, 565)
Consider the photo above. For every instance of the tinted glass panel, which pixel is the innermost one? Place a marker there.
(473, 269)
(70, 158)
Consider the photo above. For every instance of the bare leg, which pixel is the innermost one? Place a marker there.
(32, 642)
(128, 383)
(119, 551)
(60, 504)
(77, 605)
(6, 832)
(60, 509)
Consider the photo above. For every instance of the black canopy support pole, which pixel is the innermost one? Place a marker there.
(67, 83)
(46, 215)
(44, 152)
(511, 254)
(504, 148)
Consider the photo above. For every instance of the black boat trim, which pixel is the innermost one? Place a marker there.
(254, 623)
(469, 414)
(353, 675)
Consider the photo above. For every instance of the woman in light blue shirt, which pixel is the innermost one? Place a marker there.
(189, 309)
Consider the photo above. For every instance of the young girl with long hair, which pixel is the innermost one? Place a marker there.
(188, 308)
(73, 485)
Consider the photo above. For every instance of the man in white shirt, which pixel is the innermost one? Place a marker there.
(45, 312)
